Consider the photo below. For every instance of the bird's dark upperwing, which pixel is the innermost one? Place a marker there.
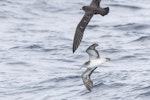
(95, 3)
(93, 53)
(80, 30)
(86, 78)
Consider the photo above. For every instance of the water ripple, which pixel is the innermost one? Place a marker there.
(126, 6)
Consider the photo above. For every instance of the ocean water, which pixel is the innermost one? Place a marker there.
(36, 59)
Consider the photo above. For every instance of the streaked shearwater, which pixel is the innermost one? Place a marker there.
(94, 62)
(93, 8)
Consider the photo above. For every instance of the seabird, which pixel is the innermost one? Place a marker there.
(91, 65)
(93, 8)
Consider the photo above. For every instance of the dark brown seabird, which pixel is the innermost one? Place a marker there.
(93, 8)
(94, 62)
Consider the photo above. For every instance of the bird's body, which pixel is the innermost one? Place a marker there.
(96, 10)
(93, 9)
(94, 62)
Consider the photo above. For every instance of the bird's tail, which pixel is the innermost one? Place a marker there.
(105, 11)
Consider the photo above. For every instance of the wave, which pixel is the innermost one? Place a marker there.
(132, 26)
(125, 6)
(142, 39)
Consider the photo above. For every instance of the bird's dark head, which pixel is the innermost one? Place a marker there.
(108, 59)
(84, 7)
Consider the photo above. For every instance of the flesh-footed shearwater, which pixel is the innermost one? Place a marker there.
(92, 64)
(93, 8)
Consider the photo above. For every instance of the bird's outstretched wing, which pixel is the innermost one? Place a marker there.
(80, 30)
(92, 52)
(95, 3)
(86, 78)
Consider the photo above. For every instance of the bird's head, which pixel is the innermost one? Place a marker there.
(107, 59)
(83, 8)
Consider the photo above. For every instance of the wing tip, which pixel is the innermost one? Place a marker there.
(89, 89)
(74, 48)
(73, 51)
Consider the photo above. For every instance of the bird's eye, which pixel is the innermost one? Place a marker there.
(84, 7)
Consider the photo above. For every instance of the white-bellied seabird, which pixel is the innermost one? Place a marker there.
(93, 8)
(94, 62)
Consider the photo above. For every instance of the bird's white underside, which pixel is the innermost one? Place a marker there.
(96, 62)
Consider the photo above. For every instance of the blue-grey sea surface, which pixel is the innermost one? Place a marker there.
(36, 59)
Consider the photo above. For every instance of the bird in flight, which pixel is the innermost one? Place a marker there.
(94, 62)
(93, 9)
